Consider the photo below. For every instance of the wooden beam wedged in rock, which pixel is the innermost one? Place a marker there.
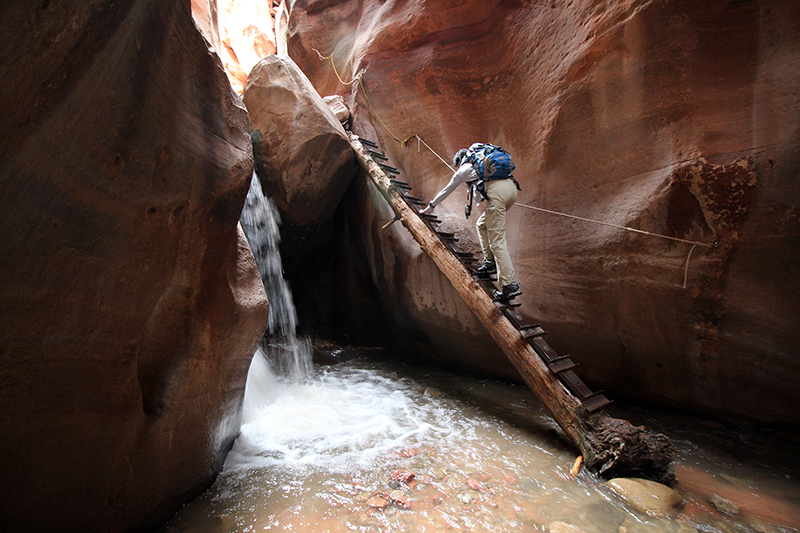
(610, 446)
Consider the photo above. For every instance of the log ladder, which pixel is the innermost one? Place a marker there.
(560, 366)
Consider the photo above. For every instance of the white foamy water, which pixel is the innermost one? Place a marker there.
(338, 421)
(324, 457)
(366, 446)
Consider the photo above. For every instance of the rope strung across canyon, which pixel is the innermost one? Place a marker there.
(358, 79)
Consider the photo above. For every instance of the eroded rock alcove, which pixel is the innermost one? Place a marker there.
(670, 117)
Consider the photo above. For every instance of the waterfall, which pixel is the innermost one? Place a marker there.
(281, 356)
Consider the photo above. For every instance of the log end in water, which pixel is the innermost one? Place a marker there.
(617, 448)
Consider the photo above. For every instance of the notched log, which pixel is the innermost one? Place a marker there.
(610, 446)
(616, 448)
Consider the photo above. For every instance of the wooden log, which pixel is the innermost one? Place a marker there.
(610, 446)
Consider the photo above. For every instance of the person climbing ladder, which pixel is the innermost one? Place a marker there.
(488, 168)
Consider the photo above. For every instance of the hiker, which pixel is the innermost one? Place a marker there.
(500, 192)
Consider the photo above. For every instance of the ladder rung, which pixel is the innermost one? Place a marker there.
(389, 169)
(377, 155)
(429, 217)
(595, 401)
(367, 142)
(400, 184)
(507, 305)
(562, 364)
(530, 332)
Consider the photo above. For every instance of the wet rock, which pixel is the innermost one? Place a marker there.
(129, 298)
(649, 497)
(402, 476)
(303, 157)
(724, 505)
(399, 499)
(474, 484)
(563, 527)
(329, 353)
(761, 527)
(377, 502)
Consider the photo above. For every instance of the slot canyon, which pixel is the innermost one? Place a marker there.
(133, 304)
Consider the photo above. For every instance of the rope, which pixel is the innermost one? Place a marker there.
(358, 78)
(628, 228)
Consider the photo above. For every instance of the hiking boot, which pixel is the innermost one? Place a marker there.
(509, 292)
(488, 267)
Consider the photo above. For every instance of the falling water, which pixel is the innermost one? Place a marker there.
(282, 356)
(374, 446)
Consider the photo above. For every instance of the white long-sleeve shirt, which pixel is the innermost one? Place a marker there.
(464, 174)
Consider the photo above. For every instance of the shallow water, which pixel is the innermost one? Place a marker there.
(372, 446)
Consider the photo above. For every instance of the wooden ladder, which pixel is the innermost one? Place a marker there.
(560, 366)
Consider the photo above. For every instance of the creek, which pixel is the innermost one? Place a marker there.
(373, 445)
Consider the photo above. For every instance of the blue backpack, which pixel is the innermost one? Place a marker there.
(490, 162)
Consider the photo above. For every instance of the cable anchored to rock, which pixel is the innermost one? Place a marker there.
(358, 78)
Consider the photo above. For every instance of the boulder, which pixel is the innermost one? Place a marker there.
(649, 497)
(303, 156)
(130, 301)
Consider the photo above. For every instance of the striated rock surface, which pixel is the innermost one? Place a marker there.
(130, 301)
(240, 32)
(673, 117)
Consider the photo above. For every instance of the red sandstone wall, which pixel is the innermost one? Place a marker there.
(241, 32)
(676, 117)
(130, 304)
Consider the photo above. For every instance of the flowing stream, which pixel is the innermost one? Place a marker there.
(370, 445)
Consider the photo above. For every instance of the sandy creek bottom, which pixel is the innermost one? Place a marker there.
(373, 446)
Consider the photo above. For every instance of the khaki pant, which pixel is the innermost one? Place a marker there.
(501, 195)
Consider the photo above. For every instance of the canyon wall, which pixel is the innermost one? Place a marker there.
(673, 117)
(130, 301)
(241, 32)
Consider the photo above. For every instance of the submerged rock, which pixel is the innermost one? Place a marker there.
(377, 502)
(724, 505)
(563, 527)
(649, 497)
